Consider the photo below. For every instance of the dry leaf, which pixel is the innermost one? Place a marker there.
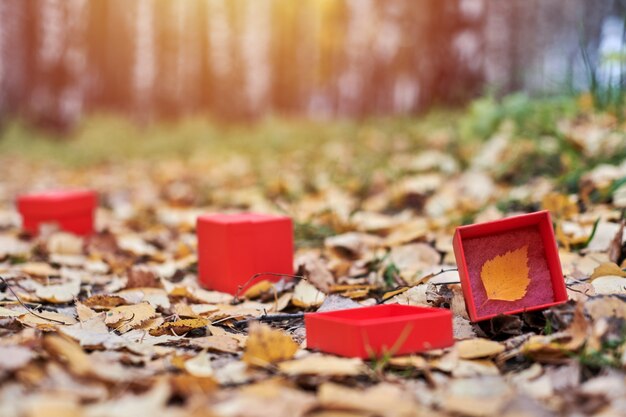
(323, 365)
(13, 358)
(306, 295)
(266, 346)
(179, 327)
(316, 271)
(505, 277)
(45, 320)
(258, 289)
(104, 301)
(383, 399)
(5, 312)
(200, 365)
(40, 269)
(69, 352)
(219, 343)
(125, 318)
(61, 293)
(478, 348)
(607, 269)
(61, 243)
(609, 285)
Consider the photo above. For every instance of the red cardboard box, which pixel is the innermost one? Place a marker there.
(369, 332)
(234, 247)
(71, 210)
(509, 266)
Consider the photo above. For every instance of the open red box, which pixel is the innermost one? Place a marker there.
(71, 210)
(232, 248)
(509, 266)
(368, 332)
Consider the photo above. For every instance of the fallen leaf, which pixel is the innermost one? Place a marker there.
(69, 352)
(326, 365)
(258, 289)
(383, 399)
(609, 285)
(266, 346)
(104, 301)
(61, 243)
(218, 343)
(13, 358)
(125, 318)
(306, 295)
(46, 320)
(61, 293)
(478, 348)
(5, 312)
(607, 269)
(316, 271)
(40, 269)
(178, 327)
(200, 365)
(505, 277)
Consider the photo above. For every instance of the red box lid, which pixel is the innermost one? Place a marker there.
(56, 203)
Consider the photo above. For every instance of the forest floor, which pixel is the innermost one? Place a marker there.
(117, 325)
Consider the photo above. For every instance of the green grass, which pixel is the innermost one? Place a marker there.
(351, 153)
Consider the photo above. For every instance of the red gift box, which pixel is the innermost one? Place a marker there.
(509, 266)
(71, 210)
(232, 248)
(368, 332)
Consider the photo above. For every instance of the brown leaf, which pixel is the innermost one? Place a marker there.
(316, 272)
(608, 268)
(142, 277)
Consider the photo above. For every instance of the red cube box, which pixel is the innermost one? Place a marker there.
(71, 210)
(370, 332)
(234, 247)
(509, 266)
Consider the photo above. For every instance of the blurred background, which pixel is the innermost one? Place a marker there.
(240, 60)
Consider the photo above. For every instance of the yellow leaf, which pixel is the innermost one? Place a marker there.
(606, 269)
(179, 327)
(478, 348)
(505, 277)
(125, 318)
(258, 289)
(266, 345)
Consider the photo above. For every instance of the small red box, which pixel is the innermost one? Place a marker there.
(369, 332)
(234, 247)
(71, 210)
(522, 247)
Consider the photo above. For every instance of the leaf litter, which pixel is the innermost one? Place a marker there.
(116, 324)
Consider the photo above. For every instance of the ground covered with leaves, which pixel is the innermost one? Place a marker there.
(117, 325)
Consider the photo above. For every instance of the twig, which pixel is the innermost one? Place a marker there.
(255, 276)
(268, 318)
(25, 306)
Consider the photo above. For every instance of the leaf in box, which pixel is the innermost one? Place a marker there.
(505, 277)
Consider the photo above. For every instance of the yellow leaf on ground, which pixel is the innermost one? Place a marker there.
(125, 318)
(505, 277)
(266, 345)
(606, 269)
(478, 348)
(257, 289)
(179, 327)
